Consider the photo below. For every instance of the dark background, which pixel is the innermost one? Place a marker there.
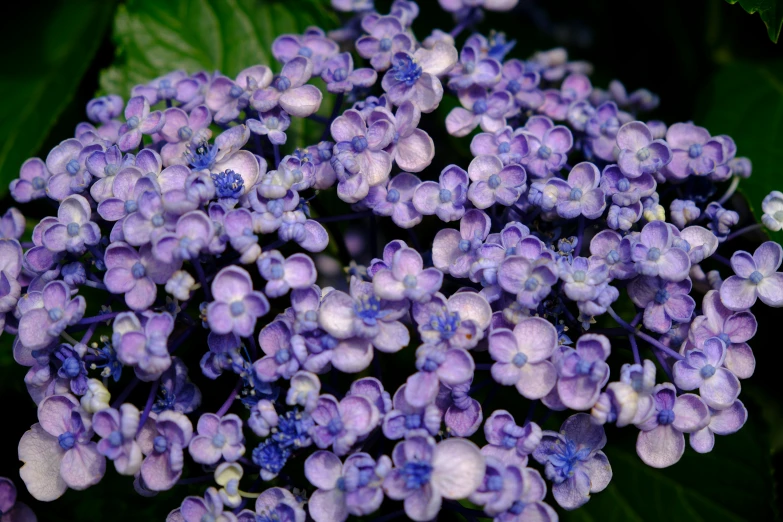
(675, 48)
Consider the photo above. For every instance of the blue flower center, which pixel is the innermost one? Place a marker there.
(272, 122)
(643, 154)
(504, 147)
(584, 367)
(495, 483)
(138, 270)
(219, 440)
(160, 444)
(305, 51)
(517, 507)
(612, 257)
(115, 438)
(359, 143)
(480, 106)
(271, 456)
(665, 417)
(111, 169)
(544, 152)
(393, 196)
(694, 151)
(413, 421)
(66, 440)
(416, 474)
(579, 276)
(707, 371)
(335, 426)
(509, 441)
(72, 167)
(576, 194)
(494, 181)
(201, 156)
(531, 284)
(282, 356)
(653, 254)
(725, 338)
(340, 74)
(235, 91)
(446, 323)
(756, 277)
(311, 316)
(564, 459)
(237, 308)
(661, 296)
(385, 44)
(444, 195)
(55, 314)
(71, 367)
(368, 309)
(131, 206)
(282, 84)
(228, 184)
(464, 245)
(185, 133)
(38, 183)
(73, 229)
(409, 281)
(519, 360)
(133, 122)
(623, 185)
(157, 221)
(276, 271)
(513, 87)
(405, 70)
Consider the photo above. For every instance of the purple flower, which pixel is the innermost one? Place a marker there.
(495, 183)
(117, 430)
(218, 437)
(683, 212)
(508, 442)
(582, 372)
(359, 150)
(289, 90)
(196, 509)
(281, 357)
(236, 306)
(181, 129)
(312, 44)
(549, 145)
(371, 389)
(340, 76)
(474, 69)
(504, 144)
(425, 472)
(106, 165)
(67, 165)
(522, 84)
(57, 452)
(176, 391)
(405, 417)
(453, 252)
(663, 301)
(415, 77)
(411, 148)
(297, 272)
(352, 488)
(655, 255)
(50, 312)
(271, 124)
(522, 357)
(143, 348)
(342, 424)
(580, 194)
(32, 181)
(226, 99)
(462, 414)
(74, 230)
(138, 120)
(12, 510)
(275, 504)
(135, 274)
(693, 151)
(161, 88)
(576, 87)
(733, 328)
(602, 129)
(389, 250)
(105, 108)
(755, 277)
(501, 487)
(12, 224)
(615, 251)
(192, 235)
(387, 38)
(72, 368)
(529, 506)
(457, 322)
(447, 198)
(455, 6)
(531, 281)
(702, 369)
(163, 440)
(436, 365)
(407, 278)
(573, 460)
(722, 422)
(639, 152)
(10, 268)
(583, 279)
(479, 108)
(626, 191)
(772, 205)
(661, 442)
(396, 200)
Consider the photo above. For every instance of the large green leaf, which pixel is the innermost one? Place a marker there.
(53, 49)
(745, 101)
(155, 37)
(732, 483)
(770, 11)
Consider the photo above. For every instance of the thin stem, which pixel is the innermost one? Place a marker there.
(650, 340)
(580, 232)
(530, 412)
(99, 318)
(635, 348)
(202, 278)
(664, 364)
(232, 396)
(127, 391)
(253, 348)
(88, 334)
(720, 259)
(94, 284)
(743, 231)
(636, 319)
(276, 150)
(730, 191)
(68, 338)
(179, 340)
(148, 406)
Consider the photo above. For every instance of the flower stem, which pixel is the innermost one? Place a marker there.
(730, 191)
(743, 231)
(232, 396)
(148, 406)
(635, 348)
(124, 394)
(99, 318)
(650, 340)
(202, 278)
(94, 284)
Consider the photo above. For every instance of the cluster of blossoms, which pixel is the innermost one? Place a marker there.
(559, 213)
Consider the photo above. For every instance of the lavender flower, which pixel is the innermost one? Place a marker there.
(218, 437)
(236, 306)
(312, 44)
(495, 183)
(446, 199)
(47, 313)
(722, 422)
(163, 439)
(414, 77)
(340, 76)
(387, 38)
(117, 429)
(663, 301)
(407, 278)
(755, 277)
(344, 423)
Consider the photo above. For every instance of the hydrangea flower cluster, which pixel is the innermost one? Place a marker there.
(178, 213)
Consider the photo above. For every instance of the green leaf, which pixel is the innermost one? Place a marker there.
(154, 38)
(43, 72)
(770, 11)
(745, 101)
(733, 483)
